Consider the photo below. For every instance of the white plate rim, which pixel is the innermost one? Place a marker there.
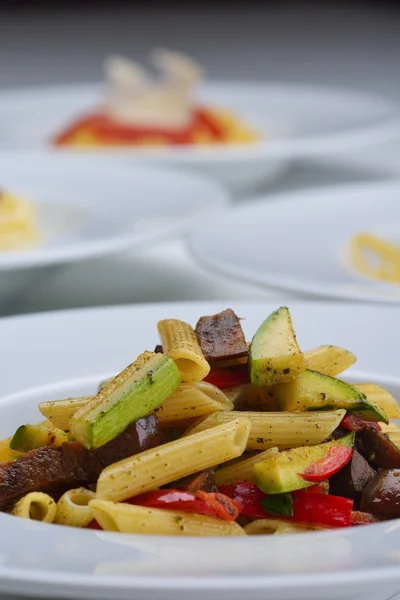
(309, 288)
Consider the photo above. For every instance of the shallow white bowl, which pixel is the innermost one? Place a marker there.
(79, 348)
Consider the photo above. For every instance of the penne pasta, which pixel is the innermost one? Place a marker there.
(389, 428)
(59, 412)
(330, 360)
(6, 453)
(381, 397)
(153, 468)
(73, 508)
(190, 401)
(278, 429)
(128, 518)
(278, 526)
(180, 342)
(36, 506)
(242, 469)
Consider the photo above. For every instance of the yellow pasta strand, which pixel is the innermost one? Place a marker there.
(375, 257)
(381, 397)
(180, 342)
(6, 454)
(283, 430)
(128, 518)
(35, 506)
(59, 412)
(73, 508)
(153, 468)
(330, 360)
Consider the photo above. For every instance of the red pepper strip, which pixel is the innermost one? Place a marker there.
(226, 508)
(362, 518)
(174, 500)
(94, 525)
(337, 457)
(228, 376)
(248, 496)
(308, 505)
(322, 509)
(353, 423)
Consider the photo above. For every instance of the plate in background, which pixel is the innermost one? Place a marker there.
(299, 241)
(72, 563)
(294, 121)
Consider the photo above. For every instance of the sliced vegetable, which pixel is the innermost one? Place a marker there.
(221, 336)
(248, 496)
(353, 423)
(30, 437)
(332, 511)
(228, 377)
(132, 394)
(275, 355)
(378, 449)
(204, 503)
(353, 478)
(380, 397)
(282, 472)
(381, 497)
(316, 391)
(278, 504)
(324, 468)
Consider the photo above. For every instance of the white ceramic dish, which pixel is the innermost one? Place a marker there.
(299, 241)
(293, 120)
(79, 348)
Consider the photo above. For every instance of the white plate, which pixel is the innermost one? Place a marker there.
(79, 348)
(89, 208)
(299, 241)
(293, 120)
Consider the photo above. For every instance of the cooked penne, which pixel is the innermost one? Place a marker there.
(394, 437)
(280, 429)
(128, 518)
(180, 342)
(242, 469)
(330, 360)
(278, 526)
(390, 428)
(59, 412)
(151, 469)
(381, 398)
(192, 400)
(35, 506)
(6, 453)
(73, 508)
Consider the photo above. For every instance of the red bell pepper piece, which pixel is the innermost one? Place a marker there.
(94, 525)
(249, 498)
(337, 457)
(228, 376)
(322, 509)
(203, 503)
(353, 423)
(362, 518)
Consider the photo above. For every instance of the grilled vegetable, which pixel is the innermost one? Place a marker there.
(378, 449)
(275, 355)
(381, 497)
(221, 337)
(353, 478)
(134, 393)
(29, 437)
(316, 391)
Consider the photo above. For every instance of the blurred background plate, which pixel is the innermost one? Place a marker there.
(301, 242)
(293, 121)
(88, 208)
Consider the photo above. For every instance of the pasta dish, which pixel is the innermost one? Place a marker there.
(209, 435)
(139, 110)
(18, 227)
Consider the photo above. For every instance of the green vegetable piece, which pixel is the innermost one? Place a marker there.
(274, 354)
(132, 394)
(30, 437)
(317, 391)
(280, 473)
(278, 504)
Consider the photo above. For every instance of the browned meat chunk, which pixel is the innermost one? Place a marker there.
(203, 481)
(221, 336)
(381, 497)
(352, 479)
(377, 449)
(57, 469)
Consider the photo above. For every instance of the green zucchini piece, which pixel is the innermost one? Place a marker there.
(30, 437)
(274, 355)
(280, 472)
(317, 391)
(132, 394)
